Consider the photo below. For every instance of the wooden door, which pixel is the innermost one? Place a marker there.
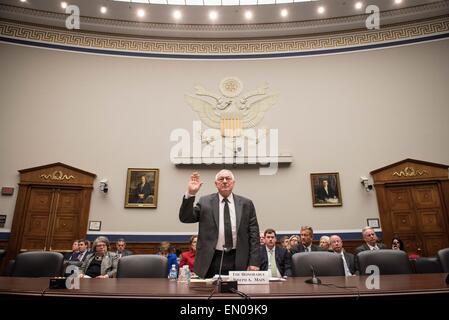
(52, 209)
(417, 217)
(413, 199)
(52, 219)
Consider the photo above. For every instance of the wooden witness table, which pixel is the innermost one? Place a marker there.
(173, 296)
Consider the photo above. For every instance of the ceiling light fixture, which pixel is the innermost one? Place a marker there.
(23, 0)
(63, 5)
(397, 1)
(358, 5)
(103, 9)
(284, 12)
(213, 15)
(177, 14)
(321, 10)
(248, 14)
(141, 13)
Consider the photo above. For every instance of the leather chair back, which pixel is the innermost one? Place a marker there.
(142, 266)
(388, 261)
(323, 263)
(427, 265)
(443, 257)
(38, 264)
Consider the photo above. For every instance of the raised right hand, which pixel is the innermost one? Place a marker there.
(194, 183)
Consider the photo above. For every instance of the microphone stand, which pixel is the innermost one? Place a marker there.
(225, 286)
(314, 279)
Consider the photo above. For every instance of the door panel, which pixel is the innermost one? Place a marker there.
(430, 221)
(37, 219)
(434, 242)
(426, 196)
(399, 198)
(417, 217)
(66, 223)
(404, 221)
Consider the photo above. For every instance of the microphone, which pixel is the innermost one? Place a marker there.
(221, 261)
(314, 279)
(225, 286)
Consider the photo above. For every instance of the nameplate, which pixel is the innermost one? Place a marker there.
(250, 277)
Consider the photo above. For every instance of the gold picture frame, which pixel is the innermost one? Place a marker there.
(141, 188)
(326, 191)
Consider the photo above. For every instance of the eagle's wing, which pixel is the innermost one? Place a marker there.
(257, 109)
(205, 110)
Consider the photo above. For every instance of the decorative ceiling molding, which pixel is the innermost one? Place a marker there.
(234, 31)
(64, 39)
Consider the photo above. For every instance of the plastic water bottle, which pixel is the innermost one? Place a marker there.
(184, 275)
(173, 274)
(188, 274)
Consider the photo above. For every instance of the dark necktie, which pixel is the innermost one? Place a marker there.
(227, 225)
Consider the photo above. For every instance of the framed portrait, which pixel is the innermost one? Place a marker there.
(94, 225)
(326, 190)
(141, 188)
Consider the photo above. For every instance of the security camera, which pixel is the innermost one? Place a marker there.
(364, 181)
(104, 185)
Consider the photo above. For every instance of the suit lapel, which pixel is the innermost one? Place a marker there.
(238, 210)
(216, 208)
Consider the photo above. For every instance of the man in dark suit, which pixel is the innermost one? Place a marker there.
(325, 192)
(306, 244)
(370, 238)
(275, 259)
(82, 247)
(121, 248)
(73, 255)
(143, 190)
(227, 222)
(348, 258)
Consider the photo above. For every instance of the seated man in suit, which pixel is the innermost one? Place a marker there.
(325, 192)
(82, 247)
(370, 238)
(121, 248)
(274, 259)
(73, 256)
(348, 258)
(306, 244)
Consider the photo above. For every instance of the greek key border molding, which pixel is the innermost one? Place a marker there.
(124, 45)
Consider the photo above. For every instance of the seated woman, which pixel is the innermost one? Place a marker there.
(325, 243)
(167, 251)
(397, 244)
(101, 263)
(188, 257)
